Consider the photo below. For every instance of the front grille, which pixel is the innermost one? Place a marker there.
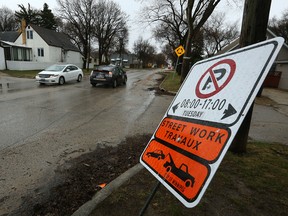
(44, 75)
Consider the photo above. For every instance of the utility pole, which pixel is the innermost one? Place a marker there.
(253, 30)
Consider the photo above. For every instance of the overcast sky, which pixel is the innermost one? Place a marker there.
(132, 8)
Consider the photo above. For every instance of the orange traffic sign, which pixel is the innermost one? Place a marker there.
(187, 176)
(203, 141)
(179, 50)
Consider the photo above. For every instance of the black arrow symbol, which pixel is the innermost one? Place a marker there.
(229, 111)
(174, 108)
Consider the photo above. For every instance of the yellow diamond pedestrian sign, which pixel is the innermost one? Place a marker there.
(180, 50)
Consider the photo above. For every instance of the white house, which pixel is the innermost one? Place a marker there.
(37, 48)
(2, 58)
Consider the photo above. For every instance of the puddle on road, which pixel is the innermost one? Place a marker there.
(8, 86)
(4, 87)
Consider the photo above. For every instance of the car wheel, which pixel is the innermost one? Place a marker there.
(188, 183)
(125, 81)
(114, 84)
(93, 84)
(168, 169)
(79, 79)
(61, 80)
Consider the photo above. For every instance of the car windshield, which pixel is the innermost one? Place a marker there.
(55, 68)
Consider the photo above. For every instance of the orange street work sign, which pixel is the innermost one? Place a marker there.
(202, 141)
(179, 50)
(200, 124)
(187, 176)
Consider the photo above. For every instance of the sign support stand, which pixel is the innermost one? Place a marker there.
(150, 198)
(176, 68)
(179, 51)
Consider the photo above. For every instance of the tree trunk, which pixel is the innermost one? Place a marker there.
(186, 62)
(85, 51)
(187, 54)
(194, 27)
(254, 28)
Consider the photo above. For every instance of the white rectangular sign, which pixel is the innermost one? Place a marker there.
(196, 131)
(218, 89)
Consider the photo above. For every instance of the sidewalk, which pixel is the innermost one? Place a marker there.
(280, 97)
(269, 124)
(270, 121)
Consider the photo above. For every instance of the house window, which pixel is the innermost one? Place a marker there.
(41, 52)
(29, 34)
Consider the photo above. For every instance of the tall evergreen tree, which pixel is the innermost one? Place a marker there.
(44, 18)
(47, 18)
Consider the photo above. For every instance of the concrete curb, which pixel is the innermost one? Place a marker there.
(87, 208)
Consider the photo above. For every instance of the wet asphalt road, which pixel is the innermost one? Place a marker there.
(28, 109)
(41, 127)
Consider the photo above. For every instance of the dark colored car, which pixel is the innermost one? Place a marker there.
(181, 172)
(108, 74)
(156, 154)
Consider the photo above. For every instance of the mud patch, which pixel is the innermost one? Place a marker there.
(78, 180)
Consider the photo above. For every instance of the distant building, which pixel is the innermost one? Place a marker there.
(36, 48)
(126, 60)
(278, 74)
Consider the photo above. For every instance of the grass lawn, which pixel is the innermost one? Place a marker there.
(21, 74)
(255, 183)
(171, 82)
(32, 73)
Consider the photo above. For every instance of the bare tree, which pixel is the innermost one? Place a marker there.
(7, 20)
(280, 26)
(169, 53)
(120, 42)
(160, 60)
(78, 21)
(110, 23)
(185, 18)
(218, 34)
(144, 51)
(170, 25)
(171, 39)
(197, 13)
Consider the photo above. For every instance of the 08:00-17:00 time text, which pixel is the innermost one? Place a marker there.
(217, 104)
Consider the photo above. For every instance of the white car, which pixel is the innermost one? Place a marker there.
(59, 74)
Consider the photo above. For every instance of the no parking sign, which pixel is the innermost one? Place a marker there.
(196, 131)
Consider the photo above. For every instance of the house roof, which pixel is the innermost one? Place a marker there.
(53, 38)
(14, 45)
(9, 36)
(235, 44)
(232, 46)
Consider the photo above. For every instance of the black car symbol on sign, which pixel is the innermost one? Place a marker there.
(156, 154)
(181, 172)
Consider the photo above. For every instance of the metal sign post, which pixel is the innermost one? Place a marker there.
(179, 52)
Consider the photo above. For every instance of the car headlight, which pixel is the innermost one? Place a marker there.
(54, 75)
